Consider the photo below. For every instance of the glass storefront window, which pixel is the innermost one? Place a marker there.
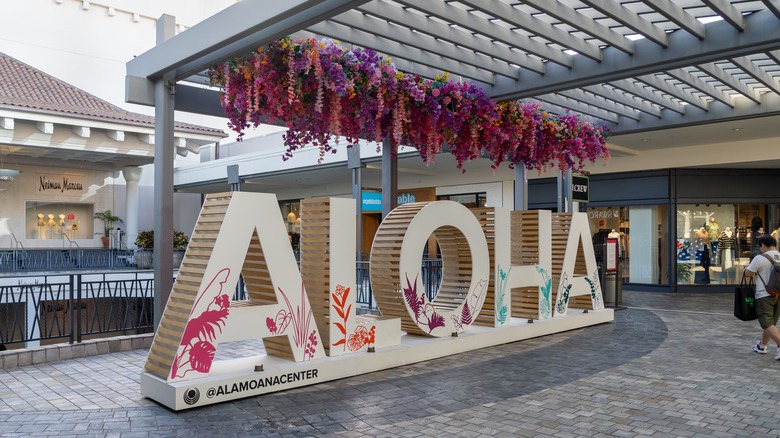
(716, 242)
(291, 214)
(642, 232)
(470, 200)
(57, 220)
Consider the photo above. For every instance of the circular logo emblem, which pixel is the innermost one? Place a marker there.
(191, 396)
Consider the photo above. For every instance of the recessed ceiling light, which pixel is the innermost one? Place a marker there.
(737, 129)
(646, 139)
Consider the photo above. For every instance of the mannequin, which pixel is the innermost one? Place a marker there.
(701, 238)
(726, 243)
(713, 229)
(701, 243)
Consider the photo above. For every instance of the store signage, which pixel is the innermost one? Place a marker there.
(406, 198)
(292, 317)
(579, 188)
(60, 183)
(372, 201)
(612, 254)
(603, 213)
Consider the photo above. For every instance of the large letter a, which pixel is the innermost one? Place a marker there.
(233, 234)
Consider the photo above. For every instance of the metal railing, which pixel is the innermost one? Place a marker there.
(66, 259)
(71, 306)
(431, 279)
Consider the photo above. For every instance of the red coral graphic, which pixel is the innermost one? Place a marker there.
(340, 300)
(201, 331)
(362, 337)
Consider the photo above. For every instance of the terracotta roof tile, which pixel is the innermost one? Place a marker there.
(24, 87)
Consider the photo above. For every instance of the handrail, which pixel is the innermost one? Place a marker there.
(17, 243)
(123, 246)
(71, 242)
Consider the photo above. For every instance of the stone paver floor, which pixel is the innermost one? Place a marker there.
(670, 365)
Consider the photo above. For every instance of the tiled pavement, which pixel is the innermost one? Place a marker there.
(670, 365)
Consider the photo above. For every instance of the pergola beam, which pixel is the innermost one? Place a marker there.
(729, 13)
(624, 98)
(382, 29)
(630, 19)
(760, 75)
(237, 30)
(578, 21)
(483, 27)
(580, 107)
(678, 16)
(527, 22)
(450, 34)
(716, 113)
(701, 85)
(719, 73)
(673, 90)
(395, 49)
(762, 34)
(773, 5)
(599, 102)
(644, 92)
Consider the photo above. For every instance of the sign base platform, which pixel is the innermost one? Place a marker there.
(238, 378)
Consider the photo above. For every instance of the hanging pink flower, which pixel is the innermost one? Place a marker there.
(322, 91)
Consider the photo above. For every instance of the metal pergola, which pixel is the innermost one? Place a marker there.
(636, 65)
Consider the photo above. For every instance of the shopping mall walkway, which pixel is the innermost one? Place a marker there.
(670, 365)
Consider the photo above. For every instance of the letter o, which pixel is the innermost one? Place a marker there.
(396, 274)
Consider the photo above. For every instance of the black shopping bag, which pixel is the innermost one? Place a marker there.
(745, 300)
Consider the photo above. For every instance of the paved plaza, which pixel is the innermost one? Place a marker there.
(670, 365)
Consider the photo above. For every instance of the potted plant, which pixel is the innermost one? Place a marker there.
(144, 243)
(108, 219)
(180, 242)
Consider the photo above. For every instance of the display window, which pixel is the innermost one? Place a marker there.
(642, 234)
(716, 242)
(291, 213)
(470, 200)
(58, 220)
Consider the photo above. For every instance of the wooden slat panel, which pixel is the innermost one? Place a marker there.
(315, 262)
(184, 291)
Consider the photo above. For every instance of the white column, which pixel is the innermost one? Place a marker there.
(132, 175)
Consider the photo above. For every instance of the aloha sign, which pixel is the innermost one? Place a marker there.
(503, 280)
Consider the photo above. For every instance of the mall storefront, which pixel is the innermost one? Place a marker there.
(679, 229)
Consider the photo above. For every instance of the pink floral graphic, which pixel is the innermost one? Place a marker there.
(201, 331)
(301, 319)
(340, 299)
(362, 337)
(424, 313)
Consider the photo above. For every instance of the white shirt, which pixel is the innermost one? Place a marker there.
(762, 267)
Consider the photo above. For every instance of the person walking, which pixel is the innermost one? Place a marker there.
(767, 306)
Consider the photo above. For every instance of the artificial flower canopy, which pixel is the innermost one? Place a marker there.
(321, 91)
